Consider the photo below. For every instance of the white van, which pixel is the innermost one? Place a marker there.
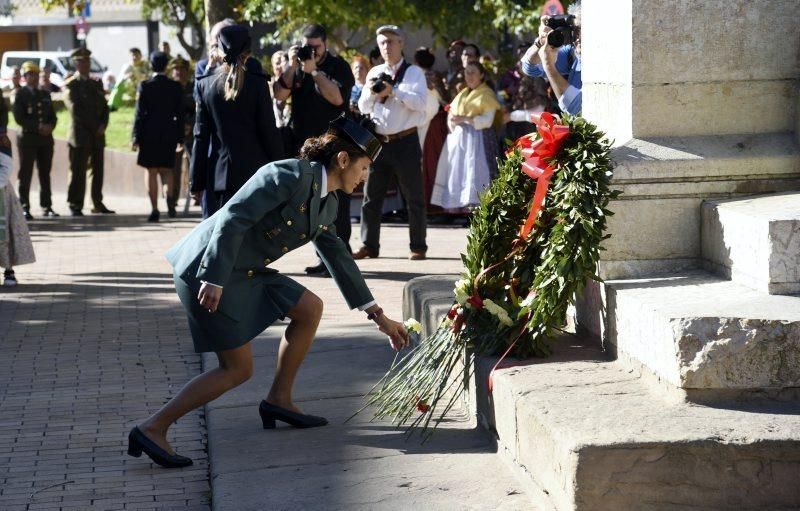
(59, 62)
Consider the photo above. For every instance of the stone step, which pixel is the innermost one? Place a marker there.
(592, 435)
(754, 241)
(705, 336)
(587, 433)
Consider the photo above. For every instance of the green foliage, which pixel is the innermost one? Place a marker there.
(181, 14)
(561, 253)
(526, 285)
(478, 21)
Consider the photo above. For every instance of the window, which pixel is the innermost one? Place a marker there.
(67, 63)
(18, 61)
(49, 64)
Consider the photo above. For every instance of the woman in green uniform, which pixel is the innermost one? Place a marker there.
(231, 294)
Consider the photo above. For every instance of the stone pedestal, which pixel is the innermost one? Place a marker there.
(755, 242)
(699, 107)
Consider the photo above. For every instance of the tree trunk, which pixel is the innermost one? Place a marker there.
(216, 11)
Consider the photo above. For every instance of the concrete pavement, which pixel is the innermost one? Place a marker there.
(94, 339)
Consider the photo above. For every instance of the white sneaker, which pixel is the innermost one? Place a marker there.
(10, 279)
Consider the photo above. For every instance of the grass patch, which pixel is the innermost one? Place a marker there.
(118, 132)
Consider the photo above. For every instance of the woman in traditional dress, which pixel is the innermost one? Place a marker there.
(224, 278)
(465, 165)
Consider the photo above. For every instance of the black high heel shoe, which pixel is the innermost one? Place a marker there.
(138, 443)
(270, 413)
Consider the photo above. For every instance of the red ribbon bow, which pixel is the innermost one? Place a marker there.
(552, 137)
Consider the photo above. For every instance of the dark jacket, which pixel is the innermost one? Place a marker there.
(86, 102)
(33, 107)
(158, 123)
(243, 132)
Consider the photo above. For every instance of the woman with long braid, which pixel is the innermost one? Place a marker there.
(234, 109)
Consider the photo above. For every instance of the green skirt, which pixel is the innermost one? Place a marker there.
(272, 296)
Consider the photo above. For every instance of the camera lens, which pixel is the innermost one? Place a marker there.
(378, 86)
(555, 38)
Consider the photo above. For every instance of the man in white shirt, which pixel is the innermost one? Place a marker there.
(397, 109)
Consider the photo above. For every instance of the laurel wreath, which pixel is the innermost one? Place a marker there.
(514, 293)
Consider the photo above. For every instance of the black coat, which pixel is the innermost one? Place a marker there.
(243, 132)
(158, 125)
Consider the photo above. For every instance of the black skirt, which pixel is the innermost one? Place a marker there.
(156, 154)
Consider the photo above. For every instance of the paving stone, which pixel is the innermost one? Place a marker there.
(75, 334)
(94, 339)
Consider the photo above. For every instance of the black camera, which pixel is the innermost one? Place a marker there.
(305, 52)
(381, 81)
(563, 30)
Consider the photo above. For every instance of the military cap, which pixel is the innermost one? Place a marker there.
(159, 61)
(360, 132)
(80, 53)
(29, 67)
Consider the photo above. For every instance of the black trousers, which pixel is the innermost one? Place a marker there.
(80, 160)
(35, 149)
(401, 158)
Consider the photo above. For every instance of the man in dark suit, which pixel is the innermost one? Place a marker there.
(235, 116)
(86, 102)
(33, 111)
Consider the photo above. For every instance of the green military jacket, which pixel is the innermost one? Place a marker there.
(278, 210)
(86, 102)
(33, 107)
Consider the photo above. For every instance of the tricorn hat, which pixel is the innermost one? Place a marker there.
(360, 133)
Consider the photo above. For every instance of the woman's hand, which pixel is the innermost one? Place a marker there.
(398, 335)
(209, 296)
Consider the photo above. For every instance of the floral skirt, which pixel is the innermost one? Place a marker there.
(16, 247)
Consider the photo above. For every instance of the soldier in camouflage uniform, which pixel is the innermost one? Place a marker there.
(86, 102)
(33, 111)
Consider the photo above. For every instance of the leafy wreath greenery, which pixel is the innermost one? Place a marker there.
(521, 300)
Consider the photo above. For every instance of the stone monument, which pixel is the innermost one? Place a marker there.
(684, 389)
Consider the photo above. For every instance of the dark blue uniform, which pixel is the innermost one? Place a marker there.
(242, 133)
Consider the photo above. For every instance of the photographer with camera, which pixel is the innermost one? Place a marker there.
(556, 55)
(396, 97)
(319, 84)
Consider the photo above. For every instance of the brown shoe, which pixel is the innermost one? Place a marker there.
(363, 253)
(416, 255)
